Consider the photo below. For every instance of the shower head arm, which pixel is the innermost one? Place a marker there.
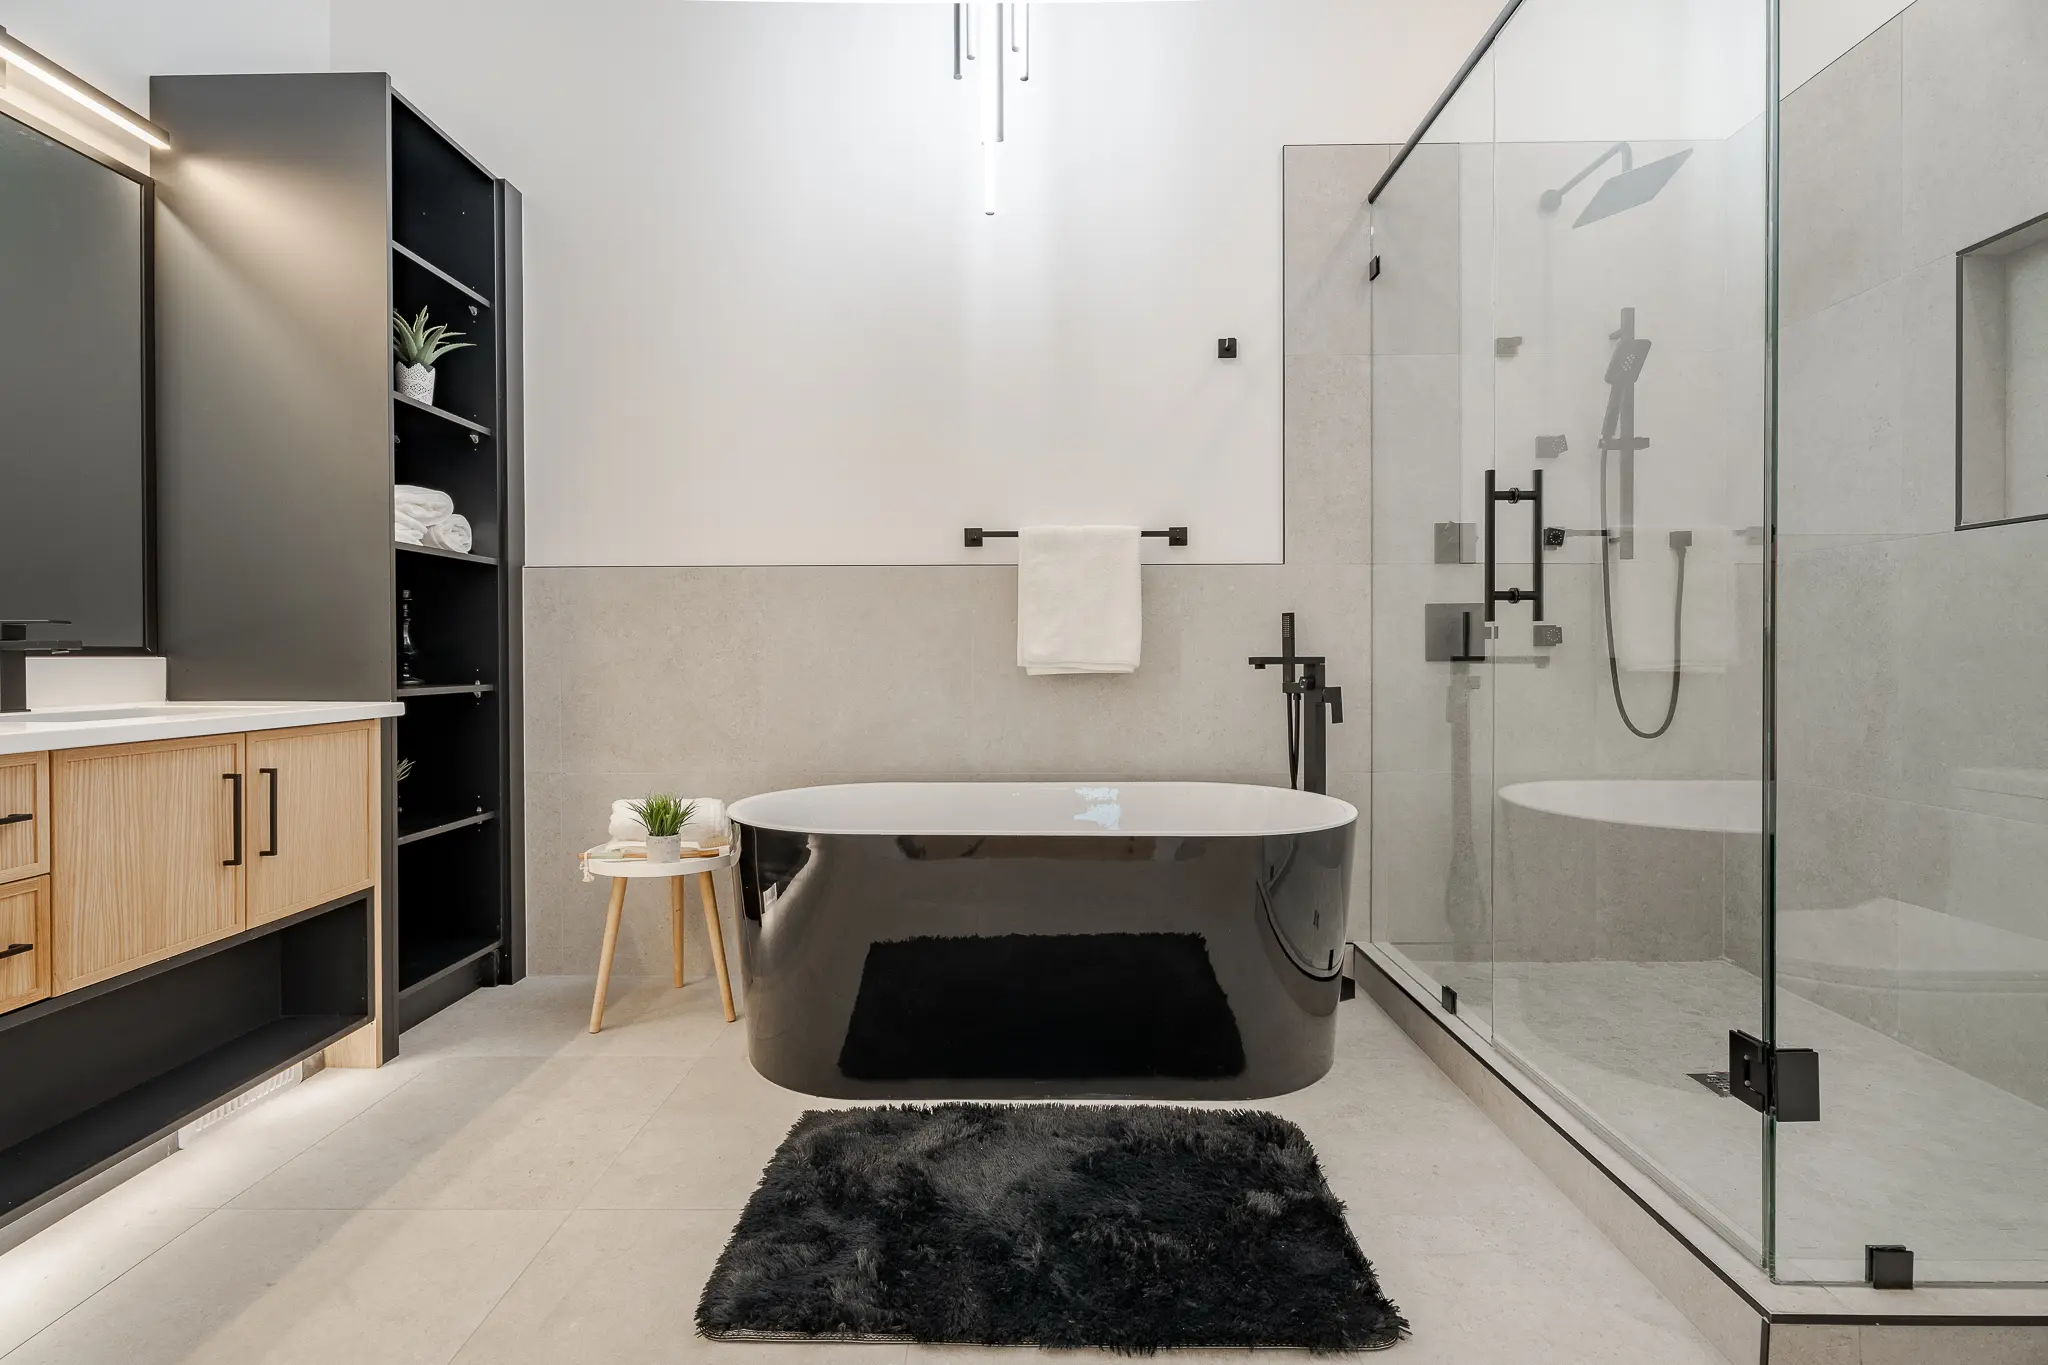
(1552, 200)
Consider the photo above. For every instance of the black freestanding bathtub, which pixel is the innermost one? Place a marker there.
(1168, 940)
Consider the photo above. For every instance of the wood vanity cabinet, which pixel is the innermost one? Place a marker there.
(149, 853)
(24, 816)
(24, 920)
(312, 813)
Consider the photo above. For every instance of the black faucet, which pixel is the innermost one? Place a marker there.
(1308, 744)
(15, 647)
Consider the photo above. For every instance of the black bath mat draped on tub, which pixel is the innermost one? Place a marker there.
(1128, 1227)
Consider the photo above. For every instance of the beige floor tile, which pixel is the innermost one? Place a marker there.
(480, 1133)
(621, 1286)
(65, 1264)
(309, 1288)
(549, 1016)
(706, 1147)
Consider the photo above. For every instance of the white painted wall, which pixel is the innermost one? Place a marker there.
(119, 44)
(768, 323)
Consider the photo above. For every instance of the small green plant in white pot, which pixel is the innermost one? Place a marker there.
(417, 347)
(664, 814)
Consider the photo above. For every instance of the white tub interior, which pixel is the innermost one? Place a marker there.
(1022, 809)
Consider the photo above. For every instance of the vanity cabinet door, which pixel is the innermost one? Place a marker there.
(24, 942)
(24, 816)
(312, 826)
(146, 839)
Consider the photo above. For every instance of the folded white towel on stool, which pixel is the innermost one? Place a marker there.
(453, 533)
(1079, 607)
(424, 505)
(708, 827)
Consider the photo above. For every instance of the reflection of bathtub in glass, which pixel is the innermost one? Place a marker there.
(1636, 870)
(1705, 805)
(1155, 939)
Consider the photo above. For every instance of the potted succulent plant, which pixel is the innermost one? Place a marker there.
(664, 814)
(417, 347)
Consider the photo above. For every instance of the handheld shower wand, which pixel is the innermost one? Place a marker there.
(1618, 436)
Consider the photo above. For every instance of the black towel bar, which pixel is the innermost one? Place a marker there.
(1172, 535)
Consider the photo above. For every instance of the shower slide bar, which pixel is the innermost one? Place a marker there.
(1172, 535)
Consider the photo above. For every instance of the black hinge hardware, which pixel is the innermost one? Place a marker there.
(1450, 1001)
(1783, 1082)
(1888, 1267)
(1372, 269)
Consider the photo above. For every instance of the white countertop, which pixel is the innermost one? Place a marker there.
(80, 727)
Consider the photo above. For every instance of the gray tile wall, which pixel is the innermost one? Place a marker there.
(732, 681)
(1912, 656)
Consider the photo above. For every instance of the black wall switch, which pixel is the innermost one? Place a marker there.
(1226, 348)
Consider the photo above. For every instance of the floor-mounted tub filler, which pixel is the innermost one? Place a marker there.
(1138, 939)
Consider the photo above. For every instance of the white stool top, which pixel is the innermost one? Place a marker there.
(601, 866)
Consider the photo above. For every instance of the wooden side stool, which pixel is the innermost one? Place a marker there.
(623, 870)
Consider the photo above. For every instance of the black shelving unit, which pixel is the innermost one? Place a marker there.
(292, 418)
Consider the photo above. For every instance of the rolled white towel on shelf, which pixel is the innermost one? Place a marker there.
(451, 533)
(406, 530)
(424, 505)
(708, 827)
(1078, 600)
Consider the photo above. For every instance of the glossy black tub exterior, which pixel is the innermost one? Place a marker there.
(1268, 909)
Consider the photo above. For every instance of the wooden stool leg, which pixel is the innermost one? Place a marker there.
(675, 924)
(708, 892)
(604, 960)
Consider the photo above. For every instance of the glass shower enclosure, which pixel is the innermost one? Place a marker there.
(1710, 683)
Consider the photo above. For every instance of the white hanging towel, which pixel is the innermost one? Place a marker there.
(1078, 600)
(1645, 589)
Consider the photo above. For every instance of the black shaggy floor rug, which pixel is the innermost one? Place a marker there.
(1129, 1227)
(1041, 1007)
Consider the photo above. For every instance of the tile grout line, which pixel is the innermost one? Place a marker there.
(667, 1095)
(53, 1322)
(510, 1284)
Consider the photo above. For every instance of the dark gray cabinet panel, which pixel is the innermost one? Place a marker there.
(274, 426)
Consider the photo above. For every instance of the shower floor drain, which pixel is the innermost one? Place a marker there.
(1716, 1081)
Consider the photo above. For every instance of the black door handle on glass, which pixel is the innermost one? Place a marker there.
(1531, 494)
(236, 779)
(17, 949)
(271, 852)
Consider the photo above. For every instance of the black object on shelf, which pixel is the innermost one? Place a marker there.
(408, 652)
(975, 535)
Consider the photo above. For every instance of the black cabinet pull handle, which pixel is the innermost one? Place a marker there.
(235, 778)
(17, 949)
(271, 851)
(23, 818)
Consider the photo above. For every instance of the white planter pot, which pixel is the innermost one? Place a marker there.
(416, 382)
(665, 848)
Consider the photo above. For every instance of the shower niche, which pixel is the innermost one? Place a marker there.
(2002, 377)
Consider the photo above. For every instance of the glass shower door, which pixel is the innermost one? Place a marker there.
(1432, 782)
(1626, 342)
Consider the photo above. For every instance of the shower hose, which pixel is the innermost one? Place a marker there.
(1607, 541)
